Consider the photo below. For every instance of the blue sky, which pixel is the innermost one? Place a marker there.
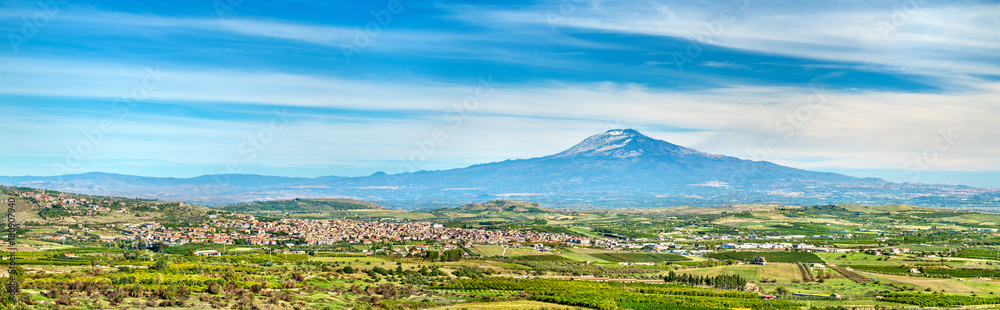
(906, 90)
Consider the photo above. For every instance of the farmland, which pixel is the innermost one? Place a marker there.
(786, 257)
(673, 258)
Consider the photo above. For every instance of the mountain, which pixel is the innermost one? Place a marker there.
(617, 168)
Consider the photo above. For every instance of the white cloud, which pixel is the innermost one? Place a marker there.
(951, 39)
(725, 64)
(89, 21)
(863, 130)
(850, 129)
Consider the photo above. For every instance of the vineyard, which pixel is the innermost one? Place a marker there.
(639, 257)
(930, 271)
(939, 300)
(542, 258)
(854, 276)
(603, 295)
(892, 270)
(806, 274)
(619, 233)
(781, 257)
(978, 253)
(944, 268)
(962, 273)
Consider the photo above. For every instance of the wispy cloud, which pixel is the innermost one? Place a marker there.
(727, 65)
(559, 74)
(745, 115)
(962, 33)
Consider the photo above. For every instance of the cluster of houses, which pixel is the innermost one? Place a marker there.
(892, 250)
(672, 236)
(81, 206)
(321, 232)
(783, 246)
(249, 230)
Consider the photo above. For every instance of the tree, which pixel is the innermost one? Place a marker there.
(432, 256)
(158, 247)
(452, 255)
(782, 291)
(230, 275)
(160, 265)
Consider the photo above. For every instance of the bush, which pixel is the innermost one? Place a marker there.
(213, 288)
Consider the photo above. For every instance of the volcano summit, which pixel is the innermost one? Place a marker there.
(616, 168)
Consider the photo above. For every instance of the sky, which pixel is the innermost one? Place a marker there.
(904, 90)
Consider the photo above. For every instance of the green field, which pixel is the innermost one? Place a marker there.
(787, 257)
(957, 266)
(638, 257)
(520, 304)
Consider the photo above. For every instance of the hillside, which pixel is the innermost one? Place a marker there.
(303, 206)
(954, 250)
(47, 207)
(504, 205)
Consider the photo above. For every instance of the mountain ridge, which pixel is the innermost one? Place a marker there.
(615, 168)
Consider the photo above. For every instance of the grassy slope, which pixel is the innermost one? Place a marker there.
(303, 205)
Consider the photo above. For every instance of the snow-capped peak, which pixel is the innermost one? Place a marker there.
(623, 143)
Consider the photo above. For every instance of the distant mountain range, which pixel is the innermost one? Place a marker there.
(617, 168)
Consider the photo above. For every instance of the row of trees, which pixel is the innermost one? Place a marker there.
(732, 282)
